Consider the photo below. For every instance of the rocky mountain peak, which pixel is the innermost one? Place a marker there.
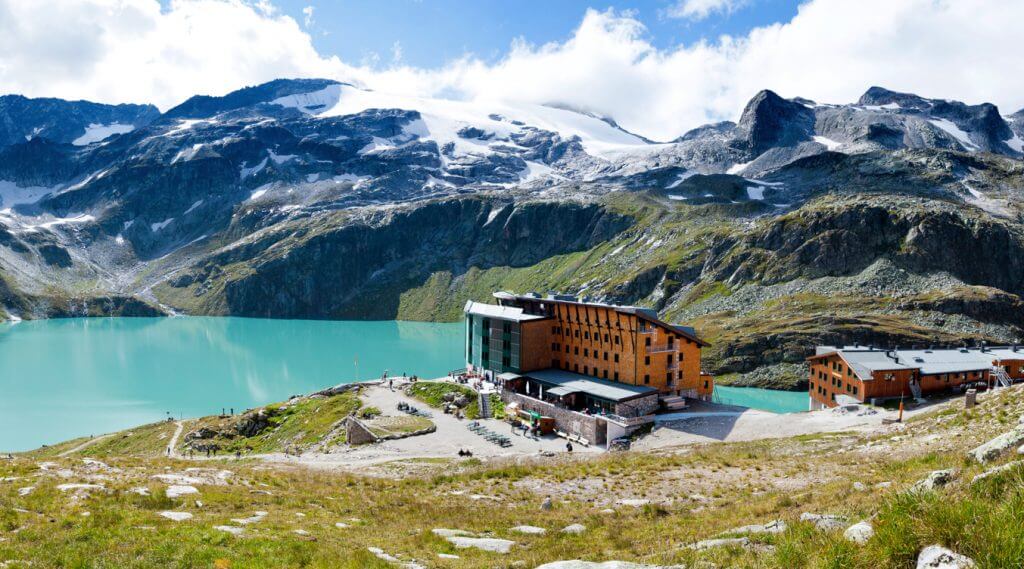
(768, 120)
(205, 106)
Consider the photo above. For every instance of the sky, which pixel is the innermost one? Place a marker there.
(657, 67)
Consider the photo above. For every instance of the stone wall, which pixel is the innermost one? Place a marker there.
(357, 433)
(639, 407)
(588, 427)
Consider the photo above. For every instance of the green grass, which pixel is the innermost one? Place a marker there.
(432, 393)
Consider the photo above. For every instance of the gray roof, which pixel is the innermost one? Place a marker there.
(499, 312)
(566, 382)
(864, 361)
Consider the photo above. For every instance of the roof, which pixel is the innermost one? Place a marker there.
(566, 382)
(647, 314)
(864, 361)
(500, 312)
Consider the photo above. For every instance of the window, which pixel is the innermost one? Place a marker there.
(618, 340)
(705, 384)
(567, 349)
(615, 376)
(855, 390)
(586, 353)
(606, 337)
(586, 335)
(616, 358)
(554, 347)
(554, 329)
(576, 368)
(647, 360)
(679, 375)
(668, 359)
(647, 341)
(680, 356)
(647, 379)
(576, 350)
(554, 363)
(586, 370)
(606, 356)
(668, 378)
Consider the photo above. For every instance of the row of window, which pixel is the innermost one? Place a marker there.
(822, 390)
(558, 330)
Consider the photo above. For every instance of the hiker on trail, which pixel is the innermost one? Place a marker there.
(238, 454)
(568, 446)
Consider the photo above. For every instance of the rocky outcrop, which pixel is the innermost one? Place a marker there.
(998, 446)
(938, 557)
(769, 121)
(935, 480)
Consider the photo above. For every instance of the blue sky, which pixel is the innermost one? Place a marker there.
(432, 32)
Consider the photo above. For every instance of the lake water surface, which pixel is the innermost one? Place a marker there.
(61, 379)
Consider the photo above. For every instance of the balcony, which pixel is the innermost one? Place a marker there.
(661, 348)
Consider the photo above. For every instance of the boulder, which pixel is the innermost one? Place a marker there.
(546, 504)
(574, 529)
(743, 542)
(176, 516)
(824, 522)
(533, 530)
(996, 447)
(938, 557)
(179, 490)
(859, 533)
(776, 526)
(935, 480)
(996, 470)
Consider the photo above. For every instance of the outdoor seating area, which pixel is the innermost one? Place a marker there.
(415, 411)
(500, 440)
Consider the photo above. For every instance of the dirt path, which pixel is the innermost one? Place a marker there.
(171, 452)
(87, 443)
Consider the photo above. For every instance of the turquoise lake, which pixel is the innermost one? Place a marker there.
(765, 399)
(61, 379)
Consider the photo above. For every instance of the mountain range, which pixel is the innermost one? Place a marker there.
(896, 219)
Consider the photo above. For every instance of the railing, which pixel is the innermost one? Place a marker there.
(661, 348)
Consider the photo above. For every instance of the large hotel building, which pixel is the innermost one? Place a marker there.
(598, 359)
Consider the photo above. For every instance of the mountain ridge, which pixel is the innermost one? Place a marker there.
(222, 205)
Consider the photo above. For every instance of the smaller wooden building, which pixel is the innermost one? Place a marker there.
(869, 374)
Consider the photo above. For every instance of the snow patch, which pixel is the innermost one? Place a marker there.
(279, 158)
(97, 132)
(737, 168)
(1015, 143)
(246, 172)
(755, 192)
(11, 194)
(951, 129)
(682, 178)
(827, 142)
(677, 198)
(313, 102)
(192, 207)
(154, 227)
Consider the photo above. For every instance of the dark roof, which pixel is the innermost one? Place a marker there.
(648, 314)
(566, 382)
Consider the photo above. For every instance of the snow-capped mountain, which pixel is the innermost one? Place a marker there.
(275, 200)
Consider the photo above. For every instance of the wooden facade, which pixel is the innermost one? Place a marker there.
(621, 344)
(832, 375)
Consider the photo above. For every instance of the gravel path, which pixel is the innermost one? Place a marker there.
(82, 446)
(173, 444)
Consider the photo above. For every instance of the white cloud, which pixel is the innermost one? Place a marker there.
(701, 9)
(307, 14)
(396, 52)
(831, 51)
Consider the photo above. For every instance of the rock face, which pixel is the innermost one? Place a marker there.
(23, 119)
(769, 121)
(998, 446)
(938, 557)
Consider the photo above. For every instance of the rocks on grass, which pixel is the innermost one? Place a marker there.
(574, 529)
(859, 533)
(463, 540)
(533, 530)
(935, 480)
(176, 516)
(938, 557)
(824, 522)
(996, 447)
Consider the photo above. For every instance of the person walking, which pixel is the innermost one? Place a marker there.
(568, 446)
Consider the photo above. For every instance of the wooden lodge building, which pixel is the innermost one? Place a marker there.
(841, 375)
(600, 370)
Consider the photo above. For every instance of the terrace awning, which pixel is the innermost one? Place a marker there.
(561, 391)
